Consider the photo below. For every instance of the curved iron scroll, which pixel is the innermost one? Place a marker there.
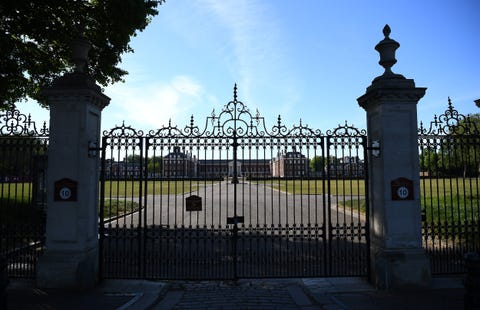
(13, 123)
(347, 131)
(123, 131)
(235, 119)
(451, 122)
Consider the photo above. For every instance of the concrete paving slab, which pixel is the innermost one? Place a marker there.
(357, 293)
(169, 301)
(110, 294)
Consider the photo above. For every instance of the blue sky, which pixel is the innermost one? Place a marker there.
(304, 59)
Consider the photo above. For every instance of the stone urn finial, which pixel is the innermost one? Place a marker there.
(80, 48)
(387, 48)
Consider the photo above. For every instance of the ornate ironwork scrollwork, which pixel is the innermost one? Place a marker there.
(235, 120)
(173, 130)
(123, 131)
(299, 131)
(451, 122)
(12, 122)
(346, 131)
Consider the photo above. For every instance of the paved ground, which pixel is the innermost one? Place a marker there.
(357, 293)
(304, 294)
(242, 294)
(282, 235)
(109, 295)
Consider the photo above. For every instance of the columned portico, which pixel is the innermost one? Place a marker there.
(397, 257)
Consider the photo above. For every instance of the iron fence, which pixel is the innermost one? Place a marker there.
(449, 149)
(23, 151)
(280, 202)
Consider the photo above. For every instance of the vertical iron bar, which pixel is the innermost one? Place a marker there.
(144, 172)
(328, 220)
(101, 255)
(235, 182)
(366, 176)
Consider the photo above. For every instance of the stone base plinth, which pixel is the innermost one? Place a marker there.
(400, 269)
(67, 269)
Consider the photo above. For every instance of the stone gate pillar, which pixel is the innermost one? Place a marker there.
(76, 102)
(397, 257)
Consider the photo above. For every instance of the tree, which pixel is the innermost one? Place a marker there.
(154, 165)
(133, 158)
(455, 153)
(464, 148)
(36, 36)
(429, 159)
(317, 164)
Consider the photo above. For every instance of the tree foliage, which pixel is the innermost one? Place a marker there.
(455, 154)
(155, 165)
(35, 40)
(317, 164)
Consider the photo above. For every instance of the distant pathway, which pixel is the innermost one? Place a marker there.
(259, 204)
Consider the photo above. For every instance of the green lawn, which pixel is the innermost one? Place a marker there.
(317, 187)
(445, 200)
(356, 204)
(19, 193)
(113, 207)
(450, 200)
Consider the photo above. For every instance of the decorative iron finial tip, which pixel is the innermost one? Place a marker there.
(387, 31)
(235, 92)
(450, 105)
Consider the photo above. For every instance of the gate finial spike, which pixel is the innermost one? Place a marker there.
(235, 93)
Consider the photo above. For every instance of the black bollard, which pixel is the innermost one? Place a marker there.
(472, 281)
(3, 283)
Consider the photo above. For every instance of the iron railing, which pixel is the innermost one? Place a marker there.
(449, 151)
(23, 150)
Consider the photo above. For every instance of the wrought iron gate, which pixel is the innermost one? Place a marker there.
(233, 200)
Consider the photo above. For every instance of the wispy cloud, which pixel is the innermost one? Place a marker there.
(152, 105)
(258, 47)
